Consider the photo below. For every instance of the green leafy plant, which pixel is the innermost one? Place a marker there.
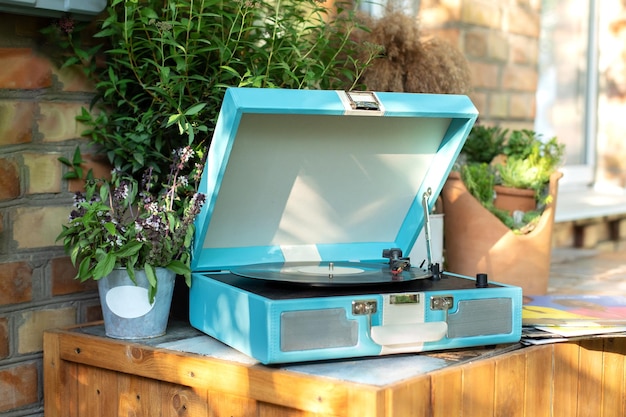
(75, 168)
(520, 160)
(131, 224)
(530, 161)
(484, 143)
(161, 66)
(479, 179)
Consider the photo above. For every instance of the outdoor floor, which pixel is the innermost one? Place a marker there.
(582, 271)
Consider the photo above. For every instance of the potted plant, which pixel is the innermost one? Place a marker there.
(511, 243)
(133, 237)
(525, 170)
(161, 67)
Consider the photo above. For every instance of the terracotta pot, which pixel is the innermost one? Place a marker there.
(476, 241)
(511, 199)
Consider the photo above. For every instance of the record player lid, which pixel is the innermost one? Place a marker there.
(308, 175)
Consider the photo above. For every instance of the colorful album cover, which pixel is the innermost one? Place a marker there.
(574, 310)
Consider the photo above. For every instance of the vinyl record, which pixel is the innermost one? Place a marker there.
(328, 273)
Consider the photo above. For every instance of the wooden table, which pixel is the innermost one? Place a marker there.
(188, 374)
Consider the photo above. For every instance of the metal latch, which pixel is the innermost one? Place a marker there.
(442, 303)
(361, 103)
(364, 307)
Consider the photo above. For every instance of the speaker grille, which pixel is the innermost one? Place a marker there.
(316, 329)
(481, 318)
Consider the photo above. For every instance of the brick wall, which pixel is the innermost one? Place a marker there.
(500, 41)
(38, 105)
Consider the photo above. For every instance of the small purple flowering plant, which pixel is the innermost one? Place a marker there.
(125, 223)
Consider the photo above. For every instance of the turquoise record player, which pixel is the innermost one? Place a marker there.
(314, 200)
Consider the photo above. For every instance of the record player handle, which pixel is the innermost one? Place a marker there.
(403, 334)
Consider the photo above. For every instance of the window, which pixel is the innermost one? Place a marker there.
(568, 83)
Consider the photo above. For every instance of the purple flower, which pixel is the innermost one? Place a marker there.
(66, 24)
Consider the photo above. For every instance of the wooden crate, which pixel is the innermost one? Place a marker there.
(89, 375)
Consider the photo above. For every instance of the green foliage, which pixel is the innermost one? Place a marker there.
(528, 162)
(520, 144)
(484, 143)
(479, 180)
(169, 62)
(124, 223)
(75, 169)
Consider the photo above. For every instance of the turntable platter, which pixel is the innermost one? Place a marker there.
(328, 273)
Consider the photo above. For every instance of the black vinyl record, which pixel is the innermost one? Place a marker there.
(329, 273)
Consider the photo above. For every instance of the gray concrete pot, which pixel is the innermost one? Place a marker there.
(126, 308)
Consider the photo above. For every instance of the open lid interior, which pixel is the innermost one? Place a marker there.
(291, 176)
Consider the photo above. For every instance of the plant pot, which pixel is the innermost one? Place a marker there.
(476, 241)
(511, 199)
(126, 308)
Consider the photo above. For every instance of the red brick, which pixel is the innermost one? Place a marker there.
(520, 78)
(4, 338)
(33, 324)
(480, 101)
(436, 13)
(485, 14)
(523, 21)
(38, 226)
(16, 121)
(9, 180)
(21, 69)
(450, 35)
(523, 50)
(476, 43)
(19, 387)
(74, 79)
(57, 120)
(15, 283)
(92, 313)
(100, 167)
(485, 75)
(522, 105)
(63, 282)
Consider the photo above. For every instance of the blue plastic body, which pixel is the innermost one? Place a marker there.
(295, 175)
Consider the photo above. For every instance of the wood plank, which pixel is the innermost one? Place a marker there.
(565, 379)
(138, 397)
(293, 390)
(614, 384)
(274, 410)
(97, 392)
(590, 380)
(227, 405)
(107, 377)
(478, 389)
(445, 389)
(181, 401)
(60, 381)
(509, 397)
(538, 401)
(409, 398)
(365, 401)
